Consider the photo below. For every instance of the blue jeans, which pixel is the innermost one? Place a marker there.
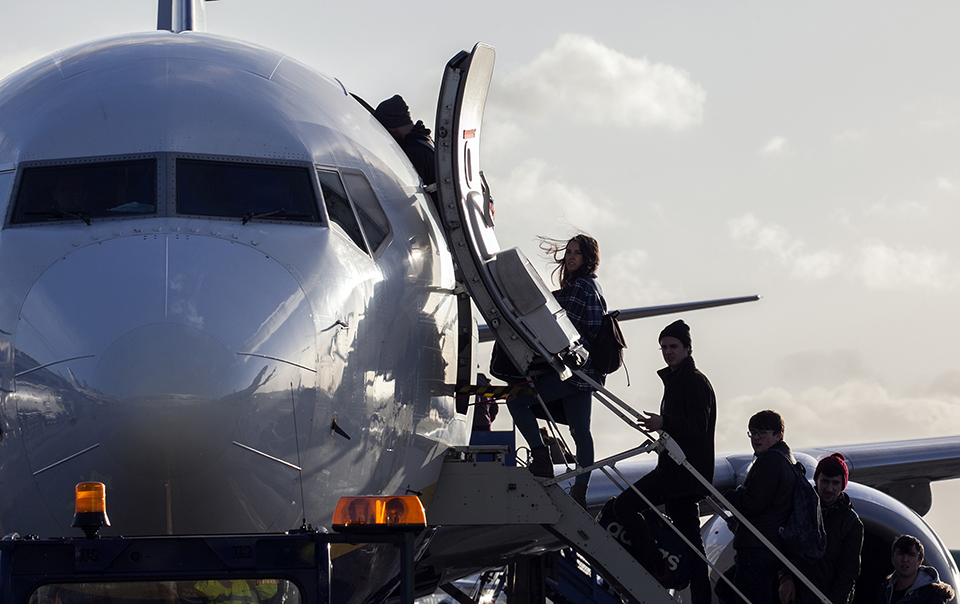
(577, 405)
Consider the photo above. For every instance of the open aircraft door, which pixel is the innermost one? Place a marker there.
(513, 299)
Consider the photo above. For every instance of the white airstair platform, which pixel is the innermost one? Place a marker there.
(472, 492)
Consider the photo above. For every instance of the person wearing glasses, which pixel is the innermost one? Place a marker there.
(766, 499)
(688, 413)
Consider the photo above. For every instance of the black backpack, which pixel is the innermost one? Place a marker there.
(606, 349)
(803, 534)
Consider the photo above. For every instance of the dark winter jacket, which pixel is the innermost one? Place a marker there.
(419, 149)
(926, 589)
(836, 572)
(765, 497)
(689, 412)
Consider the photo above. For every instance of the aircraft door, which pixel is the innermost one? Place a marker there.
(511, 296)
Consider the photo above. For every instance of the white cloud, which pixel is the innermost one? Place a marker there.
(500, 137)
(945, 184)
(624, 275)
(775, 146)
(884, 267)
(816, 265)
(533, 193)
(581, 80)
(903, 209)
(877, 265)
(774, 239)
(856, 411)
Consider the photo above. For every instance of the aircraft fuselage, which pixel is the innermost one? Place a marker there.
(211, 255)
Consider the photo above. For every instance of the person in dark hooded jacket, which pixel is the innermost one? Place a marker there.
(836, 572)
(414, 139)
(766, 499)
(911, 582)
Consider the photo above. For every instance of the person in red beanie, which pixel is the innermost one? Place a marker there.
(836, 572)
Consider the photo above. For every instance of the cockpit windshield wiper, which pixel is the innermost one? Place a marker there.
(281, 212)
(250, 215)
(60, 214)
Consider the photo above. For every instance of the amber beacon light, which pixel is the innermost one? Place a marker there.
(379, 513)
(90, 509)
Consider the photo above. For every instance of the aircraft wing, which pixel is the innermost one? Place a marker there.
(486, 334)
(902, 469)
(880, 465)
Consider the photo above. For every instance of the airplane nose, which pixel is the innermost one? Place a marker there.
(165, 415)
(171, 364)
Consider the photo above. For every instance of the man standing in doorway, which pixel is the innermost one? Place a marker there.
(414, 139)
(688, 413)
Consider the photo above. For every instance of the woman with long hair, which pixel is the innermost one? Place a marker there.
(580, 296)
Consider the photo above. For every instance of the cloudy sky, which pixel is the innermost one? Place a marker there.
(807, 153)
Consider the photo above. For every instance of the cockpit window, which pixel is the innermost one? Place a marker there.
(246, 191)
(81, 192)
(338, 206)
(372, 218)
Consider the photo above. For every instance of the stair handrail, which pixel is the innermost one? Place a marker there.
(664, 443)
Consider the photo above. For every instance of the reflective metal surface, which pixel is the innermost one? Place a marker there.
(193, 364)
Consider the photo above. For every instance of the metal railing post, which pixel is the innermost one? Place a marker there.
(667, 444)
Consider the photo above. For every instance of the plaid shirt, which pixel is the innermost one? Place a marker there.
(585, 309)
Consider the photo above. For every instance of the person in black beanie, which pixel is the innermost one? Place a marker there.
(414, 139)
(688, 413)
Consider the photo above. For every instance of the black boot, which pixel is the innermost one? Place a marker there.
(579, 494)
(542, 465)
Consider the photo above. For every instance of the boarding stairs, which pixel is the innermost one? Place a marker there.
(473, 492)
(477, 486)
(533, 330)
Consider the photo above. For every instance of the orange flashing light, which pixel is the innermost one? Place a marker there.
(379, 512)
(90, 508)
(91, 498)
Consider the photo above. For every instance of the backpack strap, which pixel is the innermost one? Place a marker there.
(599, 290)
(592, 280)
(798, 467)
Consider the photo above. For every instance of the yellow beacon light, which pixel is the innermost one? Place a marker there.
(91, 497)
(90, 508)
(379, 513)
